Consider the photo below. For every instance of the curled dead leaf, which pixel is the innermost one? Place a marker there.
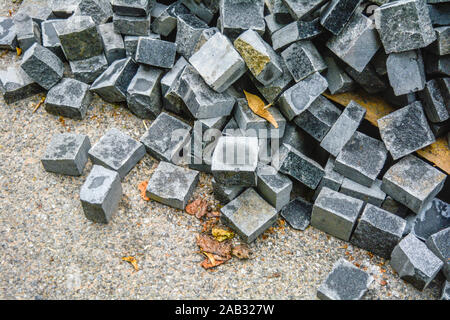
(142, 187)
(259, 108)
(242, 251)
(208, 244)
(132, 261)
(198, 207)
(222, 234)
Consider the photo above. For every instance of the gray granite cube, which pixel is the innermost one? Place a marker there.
(413, 182)
(117, 151)
(99, 10)
(113, 44)
(344, 282)
(404, 25)
(90, 69)
(302, 60)
(165, 137)
(414, 262)
(172, 185)
(272, 25)
(50, 39)
(100, 194)
(235, 160)
(79, 38)
(172, 99)
(297, 213)
(131, 43)
(67, 153)
(405, 130)
(278, 9)
(63, 9)
(295, 31)
(144, 93)
(337, 14)
(434, 217)
(437, 65)
(219, 64)
(300, 96)
(446, 291)
(438, 243)
(406, 72)
(16, 85)
(378, 231)
(373, 194)
(435, 103)
(43, 66)
(273, 186)
(338, 80)
(39, 11)
(70, 98)
(113, 83)
(336, 213)
(132, 26)
(343, 129)
(168, 78)
(331, 179)
(395, 207)
(368, 79)
(300, 9)
(204, 10)
(28, 31)
(8, 36)
(189, 30)
(357, 43)
(225, 194)
(238, 16)
(205, 36)
(249, 215)
(136, 8)
(155, 52)
(441, 46)
(166, 18)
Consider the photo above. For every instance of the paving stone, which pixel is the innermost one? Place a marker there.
(414, 262)
(172, 99)
(299, 97)
(144, 93)
(405, 130)
(219, 64)
(132, 26)
(100, 194)
(433, 217)
(343, 129)
(379, 62)
(338, 80)
(444, 86)
(337, 14)
(163, 146)
(225, 194)
(442, 45)
(373, 194)
(438, 65)
(413, 182)
(239, 16)
(297, 213)
(99, 10)
(39, 11)
(274, 187)
(293, 163)
(318, 118)
(28, 31)
(189, 30)
(90, 69)
(136, 8)
(168, 78)
(8, 36)
(302, 59)
(249, 215)
(331, 179)
(406, 72)
(344, 282)
(295, 31)
(117, 151)
(113, 83)
(440, 129)
(446, 291)
(70, 98)
(272, 25)
(50, 39)
(156, 52)
(278, 9)
(16, 85)
(368, 79)
(205, 36)
(435, 103)
(201, 9)
(63, 8)
(438, 243)
(395, 207)
(131, 43)
(404, 25)
(113, 44)
(166, 20)
(79, 38)
(262, 61)
(302, 8)
(357, 43)
(41, 65)
(172, 185)
(67, 153)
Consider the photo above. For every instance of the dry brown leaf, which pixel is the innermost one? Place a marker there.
(142, 187)
(222, 234)
(198, 207)
(213, 214)
(132, 261)
(208, 244)
(257, 105)
(209, 224)
(242, 251)
(206, 264)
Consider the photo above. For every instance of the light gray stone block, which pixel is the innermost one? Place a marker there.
(90, 69)
(50, 39)
(331, 179)
(274, 187)
(297, 213)
(39, 11)
(113, 44)
(131, 43)
(337, 13)
(373, 194)
(99, 10)
(135, 8)
(438, 243)
(295, 31)
(166, 19)
(16, 85)
(28, 31)
(239, 16)
(63, 8)
(132, 26)
(189, 30)
(435, 102)
(155, 52)
(302, 8)
(272, 25)
(168, 79)
(8, 36)
(406, 72)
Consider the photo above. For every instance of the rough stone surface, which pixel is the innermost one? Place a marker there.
(338, 80)
(131, 43)
(438, 243)
(431, 219)
(100, 194)
(39, 11)
(67, 153)
(272, 25)
(302, 8)
(406, 72)
(117, 151)
(28, 31)
(172, 185)
(50, 39)
(441, 46)
(136, 8)
(132, 26)
(272, 91)
(99, 10)
(203, 10)
(249, 215)
(113, 44)
(16, 85)
(166, 19)
(90, 69)
(337, 14)
(414, 262)
(239, 16)
(436, 103)
(155, 52)
(405, 130)
(446, 291)
(368, 79)
(395, 207)
(189, 31)
(8, 36)
(274, 187)
(413, 182)
(295, 31)
(168, 78)
(373, 194)
(331, 179)
(297, 213)
(225, 194)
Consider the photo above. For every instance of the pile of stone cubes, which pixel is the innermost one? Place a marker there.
(188, 66)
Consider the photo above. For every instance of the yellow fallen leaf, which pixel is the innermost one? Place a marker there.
(221, 234)
(257, 105)
(19, 51)
(132, 261)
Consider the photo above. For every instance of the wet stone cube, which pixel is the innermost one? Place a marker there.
(249, 215)
(235, 160)
(413, 182)
(157, 53)
(137, 8)
(295, 31)
(225, 194)
(274, 187)
(165, 137)
(372, 194)
(117, 151)
(90, 69)
(406, 72)
(337, 13)
(132, 26)
(43, 66)
(336, 213)
(378, 231)
(16, 85)
(302, 8)
(434, 217)
(218, 62)
(172, 185)
(8, 36)
(297, 213)
(414, 262)
(239, 16)
(50, 39)
(189, 31)
(28, 31)
(113, 83)
(99, 10)
(435, 102)
(113, 44)
(405, 130)
(100, 194)
(438, 243)
(345, 282)
(70, 98)
(144, 93)
(67, 153)
(331, 179)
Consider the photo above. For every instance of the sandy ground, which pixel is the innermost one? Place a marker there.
(49, 250)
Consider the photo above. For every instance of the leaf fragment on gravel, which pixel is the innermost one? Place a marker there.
(242, 251)
(259, 108)
(208, 244)
(142, 187)
(221, 234)
(39, 104)
(198, 207)
(132, 261)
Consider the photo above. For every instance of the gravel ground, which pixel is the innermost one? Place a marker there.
(49, 250)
